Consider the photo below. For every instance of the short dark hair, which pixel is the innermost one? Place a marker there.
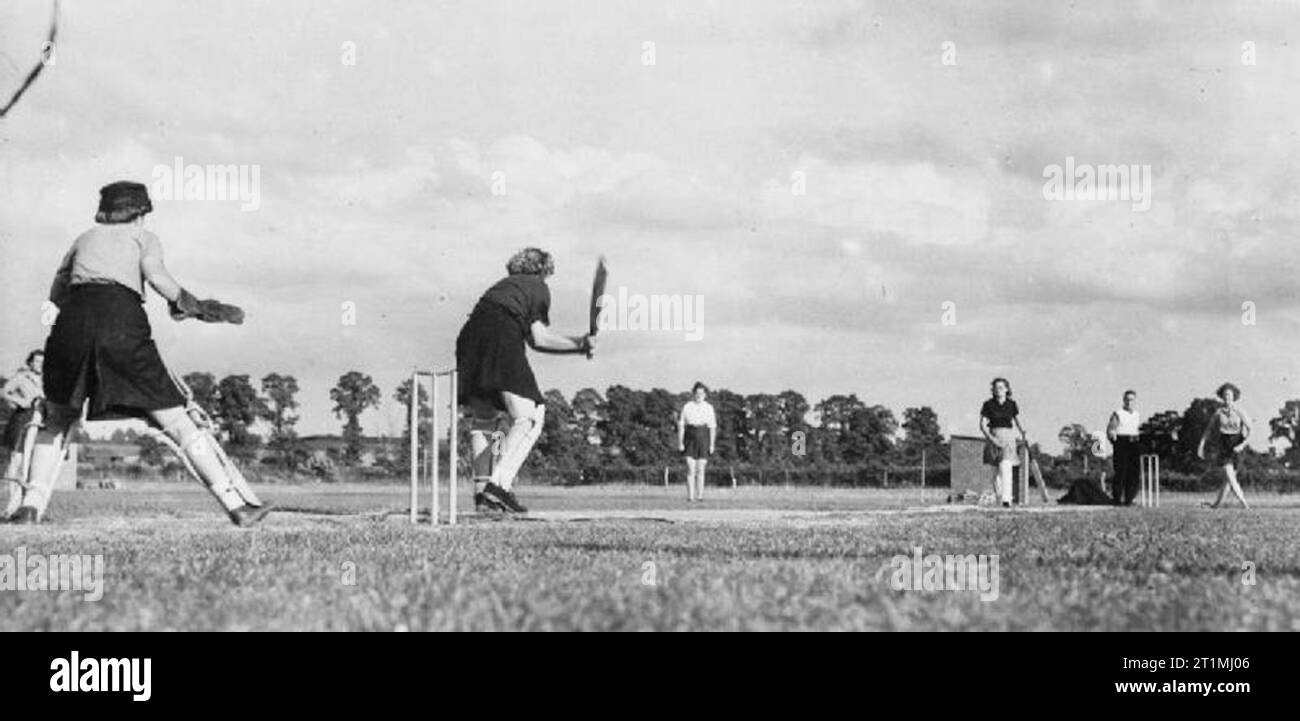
(1236, 392)
(1004, 381)
(699, 386)
(33, 354)
(122, 202)
(1129, 391)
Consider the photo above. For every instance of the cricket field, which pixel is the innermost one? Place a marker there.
(345, 558)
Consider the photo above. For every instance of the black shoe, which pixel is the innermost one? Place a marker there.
(487, 505)
(25, 516)
(506, 499)
(1006, 504)
(247, 516)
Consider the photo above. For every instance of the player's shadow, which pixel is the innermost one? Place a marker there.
(719, 554)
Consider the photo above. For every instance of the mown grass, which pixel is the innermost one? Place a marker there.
(172, 563)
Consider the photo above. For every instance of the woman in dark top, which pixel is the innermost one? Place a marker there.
(495, 377)
(999, 421)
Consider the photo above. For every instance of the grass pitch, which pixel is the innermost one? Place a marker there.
(641, 558)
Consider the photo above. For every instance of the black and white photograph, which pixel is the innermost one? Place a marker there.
(660, 315)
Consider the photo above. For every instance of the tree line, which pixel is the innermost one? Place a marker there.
(630, 428)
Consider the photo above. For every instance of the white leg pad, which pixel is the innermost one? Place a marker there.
(208, 463)
(512, 458)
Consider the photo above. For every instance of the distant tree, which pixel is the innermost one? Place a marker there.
(835, 416)
(355, 393)
(921, 430)
(203, 386)
(640, 426)
(794, 412)
(1286, 426)
(152, 452)
(563, 444)
(622, 407)
(870, 434)
(659, 426)
(589, 409)
(1160, 433)
(733, 444)
(1078, 443)
(766, 429)
(238, 407)
(281, 392)
(1195, 419)
(424, 417)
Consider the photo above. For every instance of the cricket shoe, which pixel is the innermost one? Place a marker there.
(487, 506)
(504, 498)
(25, 516)
(247, 516)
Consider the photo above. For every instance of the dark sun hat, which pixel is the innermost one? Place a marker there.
(124, 195)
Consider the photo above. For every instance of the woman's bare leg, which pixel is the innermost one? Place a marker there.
(700, 465)
(1223, 489)
(1230, 472)
(690, 478)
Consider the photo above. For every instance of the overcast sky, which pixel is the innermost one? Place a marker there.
(922, 184)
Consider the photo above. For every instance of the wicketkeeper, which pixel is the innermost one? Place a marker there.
(100, 355)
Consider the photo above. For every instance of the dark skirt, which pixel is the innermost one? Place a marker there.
(491, 358)
(1227, 443)
(13, 438)
(696, 440)
(101, 349)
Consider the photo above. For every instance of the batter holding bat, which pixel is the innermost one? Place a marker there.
(496, 379)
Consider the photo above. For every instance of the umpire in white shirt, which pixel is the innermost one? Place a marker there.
(1122, 430)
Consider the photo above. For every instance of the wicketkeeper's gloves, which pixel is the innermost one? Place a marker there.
(208, 311)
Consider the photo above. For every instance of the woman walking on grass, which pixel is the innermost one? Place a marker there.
(1232, 427)
(999, 421)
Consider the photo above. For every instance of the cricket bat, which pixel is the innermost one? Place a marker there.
(597, 290)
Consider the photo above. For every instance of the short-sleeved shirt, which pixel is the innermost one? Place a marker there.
(525, 297)
(108, 254)
(1000, 415)
(1231, 420)
(699, 414)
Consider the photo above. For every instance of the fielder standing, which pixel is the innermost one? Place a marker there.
(24, 392)
(697, 434)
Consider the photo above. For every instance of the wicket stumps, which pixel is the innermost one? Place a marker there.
(1150, 477)
(432, 458)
